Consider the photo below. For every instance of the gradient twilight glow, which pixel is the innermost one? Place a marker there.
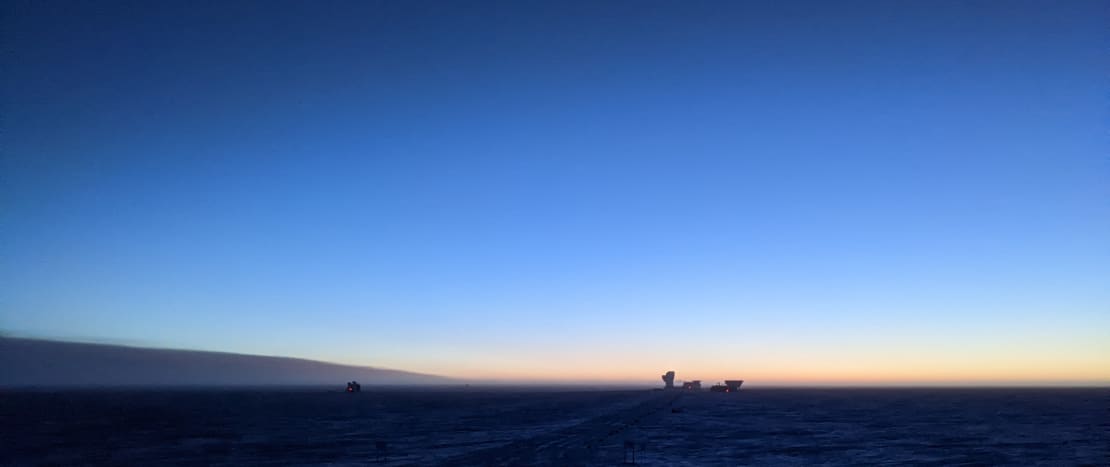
(808, 192)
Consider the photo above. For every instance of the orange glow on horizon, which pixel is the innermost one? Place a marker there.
(1047, 360)
(1090, 371)
(833, 377)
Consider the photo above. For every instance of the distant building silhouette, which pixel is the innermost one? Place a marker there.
(731, 385)
(353, 386)
(668, 380)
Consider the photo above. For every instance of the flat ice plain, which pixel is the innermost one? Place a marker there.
(532, 426)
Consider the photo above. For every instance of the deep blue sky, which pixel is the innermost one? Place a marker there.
(808, 191)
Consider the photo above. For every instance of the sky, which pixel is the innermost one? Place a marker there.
(782, 192)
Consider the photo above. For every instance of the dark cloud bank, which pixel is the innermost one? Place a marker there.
(34, 362)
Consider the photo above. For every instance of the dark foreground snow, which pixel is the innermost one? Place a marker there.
(471, 426)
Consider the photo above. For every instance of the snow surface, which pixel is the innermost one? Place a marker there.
(505, 426)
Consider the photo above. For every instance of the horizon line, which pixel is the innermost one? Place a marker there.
(614, 382)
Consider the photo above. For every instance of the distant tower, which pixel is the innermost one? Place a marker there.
(668, 380)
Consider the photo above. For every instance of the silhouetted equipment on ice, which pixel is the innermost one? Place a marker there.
(668, 380)
(353, 386)
(730, 385)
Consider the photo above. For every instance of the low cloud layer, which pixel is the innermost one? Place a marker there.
(33, 362)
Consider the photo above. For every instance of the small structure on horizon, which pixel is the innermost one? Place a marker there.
(730, 385)
(353, 386)
(668, 380)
